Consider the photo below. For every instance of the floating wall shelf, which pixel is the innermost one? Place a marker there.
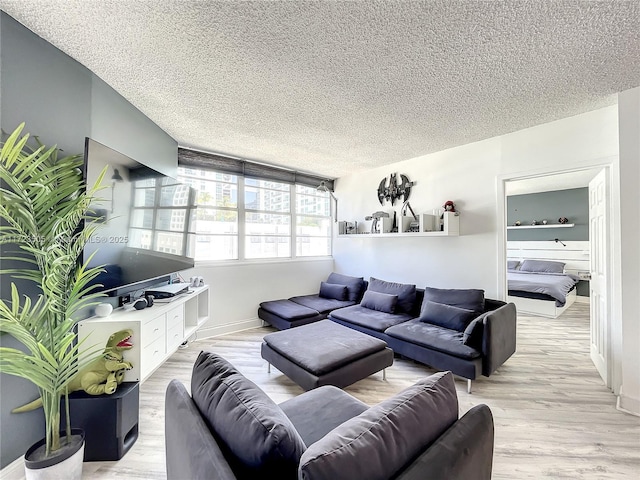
(451, 229)
(557, 225)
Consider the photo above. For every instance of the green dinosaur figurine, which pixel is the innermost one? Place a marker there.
(102, 375)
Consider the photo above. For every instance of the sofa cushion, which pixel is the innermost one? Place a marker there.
(382, 302)
(471, 299)
(354, 284)
(406, 293)
(447, 316)
(333, 290)
(472, 335)
(338, 346)
(257, 435)
(542, 266)
(373, 319)
(288, 310)
(433, 337)
(381, 441)
(320, 304)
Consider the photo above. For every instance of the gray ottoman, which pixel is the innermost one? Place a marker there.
(325, 353)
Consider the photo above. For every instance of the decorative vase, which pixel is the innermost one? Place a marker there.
(64, 464)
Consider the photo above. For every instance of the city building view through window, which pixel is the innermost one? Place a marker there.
(247, 218)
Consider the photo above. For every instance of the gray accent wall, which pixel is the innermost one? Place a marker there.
(62, 102)
(572, 204)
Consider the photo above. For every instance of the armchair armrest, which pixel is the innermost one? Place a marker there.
(464, 452)
(499, 338)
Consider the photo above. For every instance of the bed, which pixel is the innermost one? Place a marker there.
(540, 287)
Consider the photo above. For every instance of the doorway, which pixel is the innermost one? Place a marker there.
(597, 223)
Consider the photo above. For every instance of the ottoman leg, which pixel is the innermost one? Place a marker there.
(268, 367)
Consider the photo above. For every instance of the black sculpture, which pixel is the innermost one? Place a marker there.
(394, 191)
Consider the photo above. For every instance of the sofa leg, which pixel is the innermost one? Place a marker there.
(384, 374)
(468, 386)
(268, 367)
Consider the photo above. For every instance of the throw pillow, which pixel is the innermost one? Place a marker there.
(513, 264)
(470, 299)
(382, 302)
(381, 441)
(542, 266)
(354, 284)
(446, 316)
(333, 290)
(472, 336)
(406, 293)
(261, 440)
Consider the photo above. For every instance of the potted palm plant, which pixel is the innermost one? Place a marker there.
(44, 205)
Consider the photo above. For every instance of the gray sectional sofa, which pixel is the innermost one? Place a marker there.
(230, 429)
(448, 329)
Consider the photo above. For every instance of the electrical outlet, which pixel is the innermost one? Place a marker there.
(124, 299)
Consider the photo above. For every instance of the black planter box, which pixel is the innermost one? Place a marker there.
(110, 422)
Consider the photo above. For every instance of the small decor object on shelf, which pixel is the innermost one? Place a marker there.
(544, 222)
(563, 220)
(448, 206)
(535, 222)
(393, 191)
(517, 223)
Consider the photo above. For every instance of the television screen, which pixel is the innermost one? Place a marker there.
(146, 220)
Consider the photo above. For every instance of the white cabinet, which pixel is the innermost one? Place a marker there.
(157, 331)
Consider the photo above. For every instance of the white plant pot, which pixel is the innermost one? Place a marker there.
(66, 467)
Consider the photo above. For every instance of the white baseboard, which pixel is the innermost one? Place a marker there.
(228, 328)
(628, 404)
(13, 471)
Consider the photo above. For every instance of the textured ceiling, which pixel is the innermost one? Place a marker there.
(336, 87)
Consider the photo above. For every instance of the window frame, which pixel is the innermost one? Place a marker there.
(241, 211)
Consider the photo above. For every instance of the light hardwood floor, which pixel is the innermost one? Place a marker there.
(554, 418)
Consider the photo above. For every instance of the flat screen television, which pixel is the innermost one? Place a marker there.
(146, 221)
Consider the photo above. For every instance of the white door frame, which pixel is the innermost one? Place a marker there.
(614, 323)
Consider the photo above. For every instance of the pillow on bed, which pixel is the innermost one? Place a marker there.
(382, 302)
(513, 264)
(542, 266)
(453, 318)
(354, 284)
(333, 290)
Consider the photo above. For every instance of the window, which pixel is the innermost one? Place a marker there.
(164, 225)
(313, 222)
(217, 213)
(251, 218)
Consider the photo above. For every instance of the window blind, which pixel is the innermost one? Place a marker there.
(236, 166)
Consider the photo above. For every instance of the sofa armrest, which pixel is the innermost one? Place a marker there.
(490, 304)
(499, 338)
(316, 412)
(191, 450)
(463, 452)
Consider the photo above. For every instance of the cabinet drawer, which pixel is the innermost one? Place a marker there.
(175, 336)
(153, 329)
(152, 356)
(175, 316)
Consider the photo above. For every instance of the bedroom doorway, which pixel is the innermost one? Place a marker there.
(597, 221)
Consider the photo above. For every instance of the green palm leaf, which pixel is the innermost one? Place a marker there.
(44, 204)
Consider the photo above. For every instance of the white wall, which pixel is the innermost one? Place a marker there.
(469, 175)
(629, 115)
(236, 289)
(472, 176)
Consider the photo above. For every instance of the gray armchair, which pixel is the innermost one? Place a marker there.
(230, 429)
